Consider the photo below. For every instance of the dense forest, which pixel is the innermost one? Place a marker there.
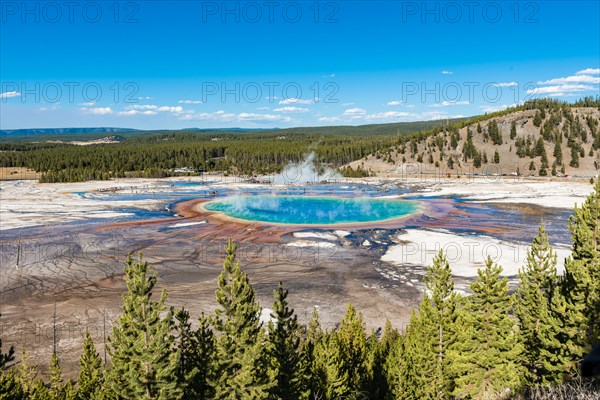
(165, 153)
(160, 155)
(490, 344)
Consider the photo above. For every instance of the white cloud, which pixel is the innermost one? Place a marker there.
(589, 71)
(506, 84)
(447, 72)
(560, 90)
(7, 95)
(263, 108)
(355, 112)
(330, 119)
(98, 110)
(572, 79)
(291, 110)
(450, 103)
(329, 76)
(390, 115)
(223, 116)
(142, 107)
(152, 107)
(189, 102)
(177, 109)
(88, 104)
(347, 104)
(51, 108)
(293, 100)
(394, 103)
(145, 98)
(130, 113)
(490, 109)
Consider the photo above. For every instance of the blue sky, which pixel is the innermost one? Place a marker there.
(178, 64)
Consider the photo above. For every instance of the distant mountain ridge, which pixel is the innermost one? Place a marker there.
(60, 131)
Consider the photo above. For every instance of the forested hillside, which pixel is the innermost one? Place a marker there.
(487, 345)
(159, 153)
(540, 138)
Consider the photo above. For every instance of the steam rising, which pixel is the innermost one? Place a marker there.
(305, 172)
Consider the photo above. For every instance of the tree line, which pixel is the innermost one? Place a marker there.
(161, 153)
(491, 344)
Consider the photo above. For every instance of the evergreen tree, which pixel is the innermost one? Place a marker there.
(417, 362)
(513, 130)
(477, 160)
(90, 372)
(285, 348)
(196, 350)
(312, 362)
(487, 351)
(143, 362)
(385, 374)
(537, 119)
(243, 370)
(496, 157)
(9, 386)
(205, 355)
(56, 390)
(6, 358)
(539, 324)
(348, 369)
(574, 158)
(427, 342)
(557, 153)
(25, 375)
(582, 269)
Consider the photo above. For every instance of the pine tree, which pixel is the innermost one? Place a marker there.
(417, 364)
(430, 335)
(533, 305)
(10, 388)
(195, 355)
(285, 348)
(384, 373)
(557, 153)
(205, 354)
(496, 157)
(243, 370)
(513, 130)
(487, 351)
(26, 374)
(56, 390)
(143, 362)
(574, 158)
(537, 119)
(90, 372)
(582, 269)
(393, 363)
(348, 368)
(6, 358)
(312, 362)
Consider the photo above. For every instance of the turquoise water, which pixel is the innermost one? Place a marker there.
(312, 210)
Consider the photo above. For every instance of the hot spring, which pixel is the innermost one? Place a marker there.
(307, 210)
